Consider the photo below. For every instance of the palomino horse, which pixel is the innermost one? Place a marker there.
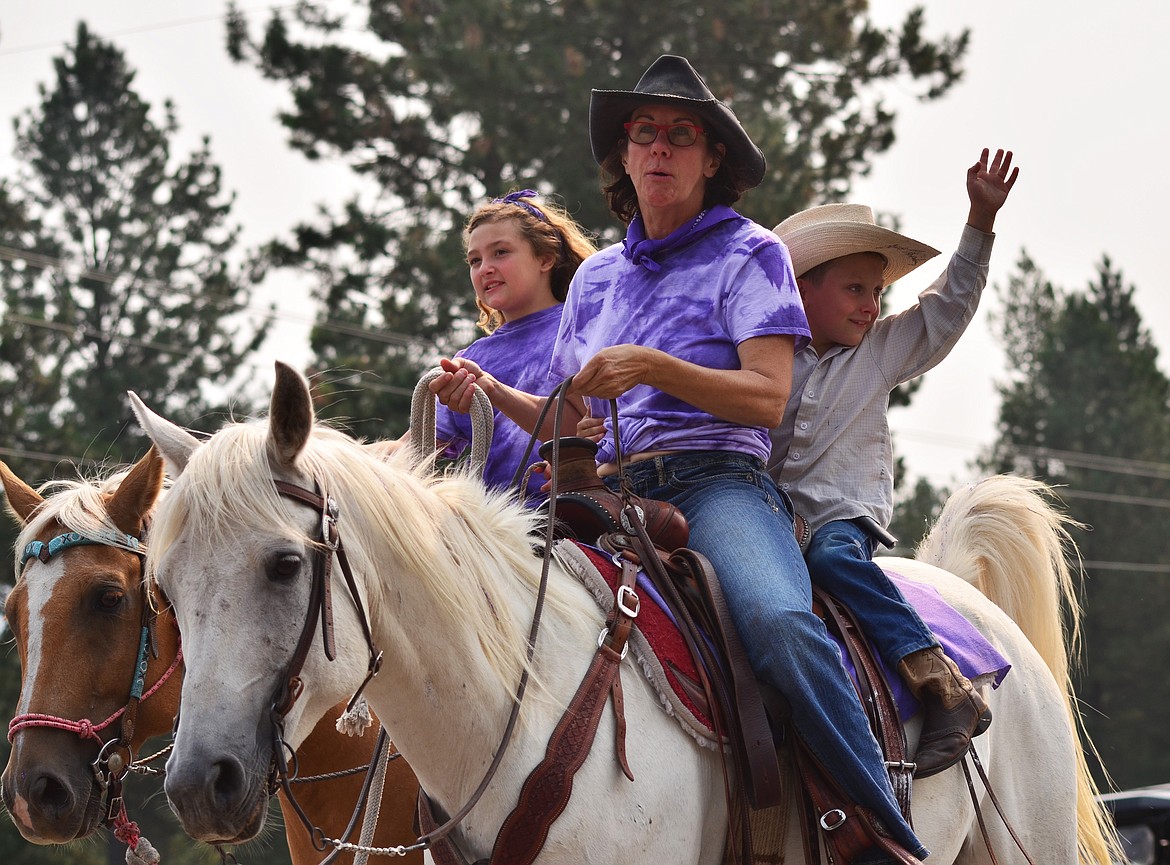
(448, 575)
(77, 614)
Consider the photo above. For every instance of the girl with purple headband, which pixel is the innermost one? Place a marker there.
(521, 254)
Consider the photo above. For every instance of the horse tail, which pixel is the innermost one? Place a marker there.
(1005, 537)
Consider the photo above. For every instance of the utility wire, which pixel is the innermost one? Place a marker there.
(1099, 462)
(1126, 566)
(386, 337)
(131, 31)
(1114, 498)
(1078, 459)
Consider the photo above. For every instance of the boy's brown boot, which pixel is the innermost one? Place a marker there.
(953, 711)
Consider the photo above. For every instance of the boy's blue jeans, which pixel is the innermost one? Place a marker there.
(742, 523)
(840, 561)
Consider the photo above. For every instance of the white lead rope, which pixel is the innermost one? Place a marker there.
(373, 802)
(422, 439)
(422, 423)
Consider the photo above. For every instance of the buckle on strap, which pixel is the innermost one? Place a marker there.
(330, 513)
(627, 601)
(601, 642)
(831, 820)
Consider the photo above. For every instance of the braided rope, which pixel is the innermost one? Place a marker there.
(373, 803)
(84, 728)
(422, 422)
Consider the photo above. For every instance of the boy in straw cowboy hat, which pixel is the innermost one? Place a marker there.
(832, 454)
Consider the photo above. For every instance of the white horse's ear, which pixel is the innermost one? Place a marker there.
(174, 443)
(290, 415)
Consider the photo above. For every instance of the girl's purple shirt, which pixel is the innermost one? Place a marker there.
(696, 295)
(517, 354)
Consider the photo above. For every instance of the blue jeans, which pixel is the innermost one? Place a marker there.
(743, 524)
(840, 561)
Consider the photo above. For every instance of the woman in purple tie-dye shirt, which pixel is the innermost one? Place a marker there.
(691, 323)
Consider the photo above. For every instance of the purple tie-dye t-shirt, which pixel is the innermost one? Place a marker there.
(696, 295)
(517, 353)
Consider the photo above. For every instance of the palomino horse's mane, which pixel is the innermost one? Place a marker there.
(79, 506)
(469, 547)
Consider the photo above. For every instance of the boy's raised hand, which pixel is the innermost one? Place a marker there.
(988, 187)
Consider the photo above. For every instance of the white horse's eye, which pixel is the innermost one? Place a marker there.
(284, 567)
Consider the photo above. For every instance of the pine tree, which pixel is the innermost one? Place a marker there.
(1087, 408)
(114, 275)
(441, 104)
(115, 265)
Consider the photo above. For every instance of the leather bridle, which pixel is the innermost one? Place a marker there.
(288, 690)
(320, 607)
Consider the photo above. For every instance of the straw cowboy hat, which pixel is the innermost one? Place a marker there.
(830, 231)
(672, 80)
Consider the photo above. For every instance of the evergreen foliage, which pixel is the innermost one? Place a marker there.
(115, 268)
(441, 104)
(1087, 408)
(115, 273)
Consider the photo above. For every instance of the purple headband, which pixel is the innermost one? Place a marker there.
(518, 197)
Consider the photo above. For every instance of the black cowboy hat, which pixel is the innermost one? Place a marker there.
(672, 80)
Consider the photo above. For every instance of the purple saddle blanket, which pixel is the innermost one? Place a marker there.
(975, 656)
(968, 648)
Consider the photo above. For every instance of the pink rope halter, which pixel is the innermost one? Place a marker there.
(84, 728)
(124, 829)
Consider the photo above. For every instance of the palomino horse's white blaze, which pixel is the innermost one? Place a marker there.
(40, 593)
(447, 575)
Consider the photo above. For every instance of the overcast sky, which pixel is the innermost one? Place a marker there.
(1075, 89)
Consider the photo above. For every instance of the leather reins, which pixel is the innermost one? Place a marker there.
(611, 651)
(320, 608)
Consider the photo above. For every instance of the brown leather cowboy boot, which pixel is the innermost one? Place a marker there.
(954, 711)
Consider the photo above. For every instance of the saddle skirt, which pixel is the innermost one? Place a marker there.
(664, 659)
(655, 640)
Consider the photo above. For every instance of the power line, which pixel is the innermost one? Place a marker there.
(386, 337)
(1114, 498)
(43, 457)
(1126, 566)
(132, 31)
(1078, 459)
(1099, 462)
(85, 330)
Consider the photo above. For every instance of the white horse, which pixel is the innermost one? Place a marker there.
(448, 575)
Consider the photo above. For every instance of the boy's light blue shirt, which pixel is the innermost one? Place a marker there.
(832, 452)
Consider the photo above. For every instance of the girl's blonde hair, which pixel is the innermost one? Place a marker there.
(549, 230)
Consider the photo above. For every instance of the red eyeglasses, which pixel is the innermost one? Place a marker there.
(678, 134)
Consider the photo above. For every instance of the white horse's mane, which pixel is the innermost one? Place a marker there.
(79, 506)
(470, 547)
